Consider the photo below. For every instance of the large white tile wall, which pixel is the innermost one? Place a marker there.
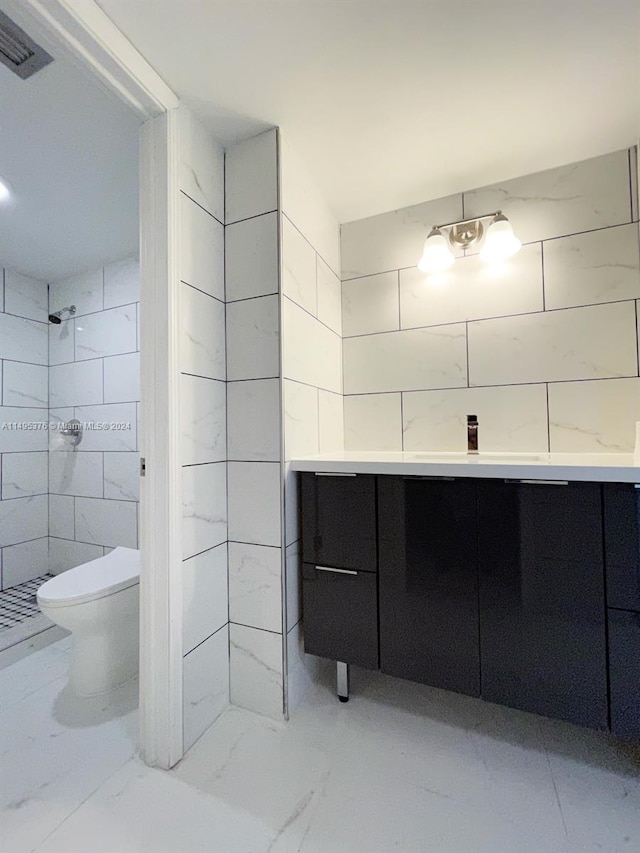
(203, 401)
(543, 348)
(254, 425)
(312, 409)
(24, 400)
(94, 376)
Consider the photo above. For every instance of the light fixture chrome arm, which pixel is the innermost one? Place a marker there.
(470, 220)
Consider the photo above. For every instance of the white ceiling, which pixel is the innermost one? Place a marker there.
(70, 151)
(392, 103)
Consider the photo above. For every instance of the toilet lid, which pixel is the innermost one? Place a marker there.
(107, 575)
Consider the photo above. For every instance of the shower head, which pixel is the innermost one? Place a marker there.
(56, 317)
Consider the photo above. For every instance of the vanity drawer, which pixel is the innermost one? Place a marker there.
(622, 545)
(341, 614)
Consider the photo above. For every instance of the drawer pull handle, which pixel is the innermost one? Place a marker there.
(337, 571)
(333, 474)
(541, 482)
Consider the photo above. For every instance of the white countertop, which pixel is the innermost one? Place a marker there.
(593, 467)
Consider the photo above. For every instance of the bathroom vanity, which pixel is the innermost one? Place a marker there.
(511, 578)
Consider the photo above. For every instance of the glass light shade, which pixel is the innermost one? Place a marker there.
(500, 242)
(5, 192)
(437, 255)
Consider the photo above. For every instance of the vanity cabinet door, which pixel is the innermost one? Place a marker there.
(428, 581)
(339, 520)
(624, 672)
(622, 545)
(542, 603)
(341, 614)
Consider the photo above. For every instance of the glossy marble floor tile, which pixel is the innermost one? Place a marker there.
(400, 767)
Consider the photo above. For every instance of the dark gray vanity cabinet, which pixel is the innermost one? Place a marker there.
(622, 554)
(542, 599)
(428, 580)
(340, 563)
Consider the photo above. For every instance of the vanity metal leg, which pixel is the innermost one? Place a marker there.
(342, 672)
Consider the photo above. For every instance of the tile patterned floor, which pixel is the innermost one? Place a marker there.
(399, 768)
(18, 603)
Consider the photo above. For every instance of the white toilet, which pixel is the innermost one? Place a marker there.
(99, 603)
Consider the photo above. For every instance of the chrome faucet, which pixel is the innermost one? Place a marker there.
(472, 433)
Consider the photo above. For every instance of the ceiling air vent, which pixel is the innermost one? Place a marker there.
(19, 52)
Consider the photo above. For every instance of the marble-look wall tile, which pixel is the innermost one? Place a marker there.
(578, 197)
(304, 204)
(122, 476)
(472, 289)
(205, 685)
(203, 420)
(118, 430)
(253, 350)
(76, 473)
(292, 530)
(62, 342)
(204, 507)
(121, 283)
(23, 519)
(253, 416)
(105, 522)
(61, 516)
(201, 164)
(65, 554)
(23, 340)
(311, 353)
(25, 385)
(298, 268)
(201, 249)
(251, 252)
(329, 296)
(256, 670)
(205, 596)
(255, 586)
(254, 502)
(75, 384)
(85, 291)
(598, 266)
(594, 417)
(13, 439)
(371, 304)
(511, 418)
(25, 296)
(122, 378)
(251, 177)
(391, 241)
(25, 561)
(406, 361)
(106, 333)
(576, 343)
(331, 421)
(301, 420)
(294, 583)
(303, 670)
(24, 474)
(373, 422)
(202, 342)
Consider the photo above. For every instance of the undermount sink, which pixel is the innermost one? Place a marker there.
(480, 457)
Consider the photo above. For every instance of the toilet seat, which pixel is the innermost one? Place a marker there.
(96, 579)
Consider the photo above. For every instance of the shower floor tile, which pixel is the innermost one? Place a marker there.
(18, 603)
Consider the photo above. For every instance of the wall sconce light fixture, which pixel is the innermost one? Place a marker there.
(499, 243)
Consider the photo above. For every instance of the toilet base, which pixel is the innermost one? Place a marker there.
(100, 663)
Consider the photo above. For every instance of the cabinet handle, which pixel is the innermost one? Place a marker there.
(541, 482)
(427, 477)
(337, 571)
(333, 474)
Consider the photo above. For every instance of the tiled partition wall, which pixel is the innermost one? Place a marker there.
(311, 325)
(23, 451)
(544, 348)
(94, 376)
(203, 441)
(253, 422)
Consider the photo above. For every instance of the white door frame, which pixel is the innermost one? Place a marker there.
(84, 32)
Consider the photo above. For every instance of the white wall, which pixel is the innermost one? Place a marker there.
(24, 399)
(94, 376)
(203, 440)
(544, 348)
